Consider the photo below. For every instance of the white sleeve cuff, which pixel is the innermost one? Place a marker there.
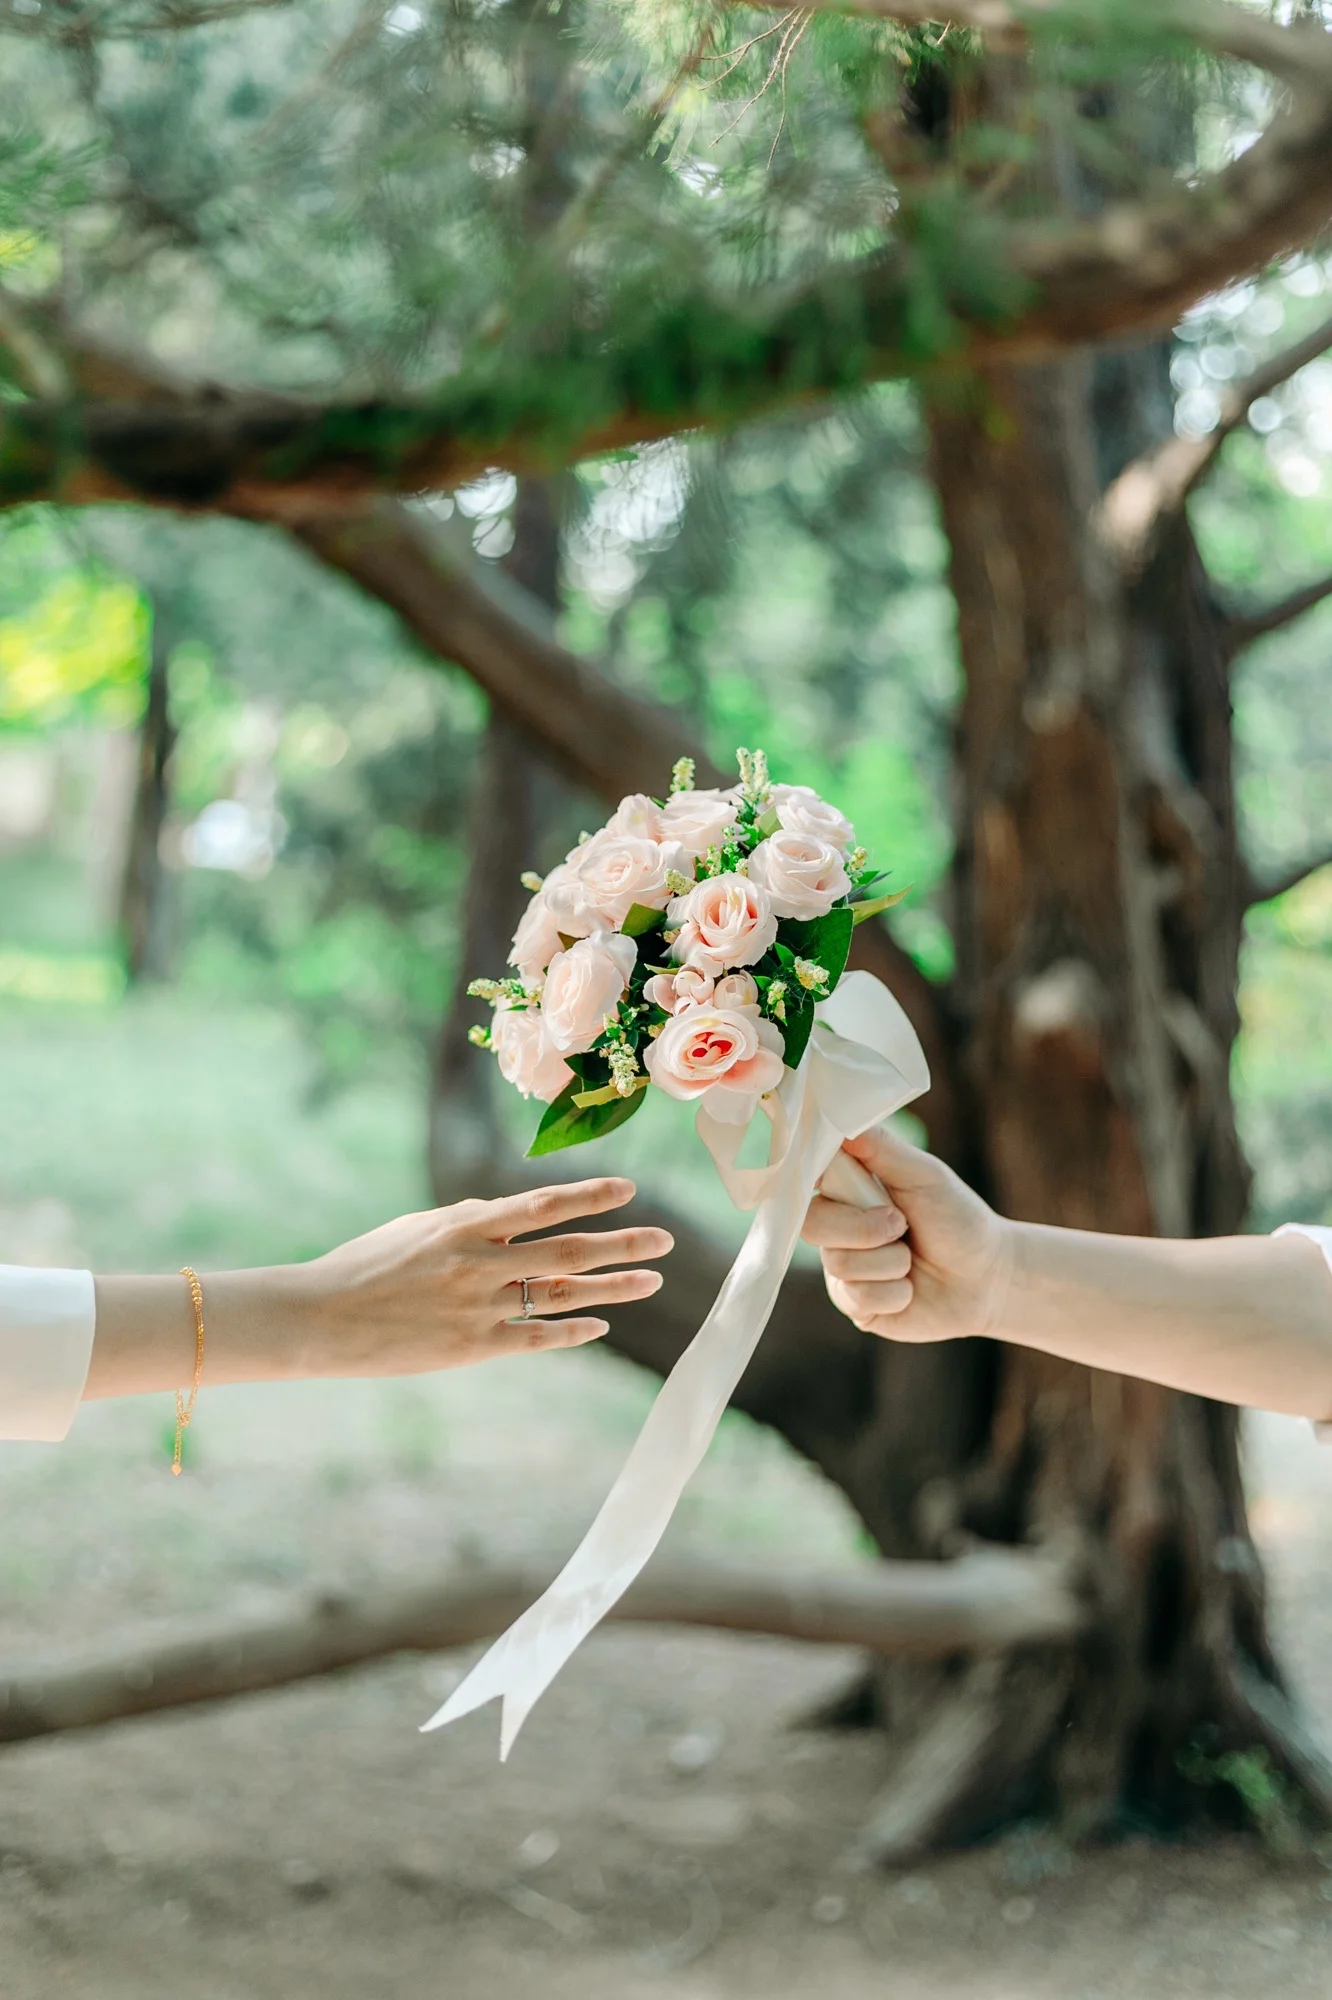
(1323, 1238)
(47, 1320)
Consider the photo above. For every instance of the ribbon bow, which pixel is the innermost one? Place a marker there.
(862, 1064)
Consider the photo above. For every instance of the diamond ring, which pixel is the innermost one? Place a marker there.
(529, 1303)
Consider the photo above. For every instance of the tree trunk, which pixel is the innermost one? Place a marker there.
(467, 1151)
(1097, 903)
(141, 916)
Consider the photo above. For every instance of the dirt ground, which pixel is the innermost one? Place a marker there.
(661, 1832)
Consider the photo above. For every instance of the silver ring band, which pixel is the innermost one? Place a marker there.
(529, 1303)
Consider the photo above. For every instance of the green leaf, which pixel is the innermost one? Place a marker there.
(797, 1027)
(641, 920)
(565, 1124)
(768, 824)
(824, 940)
(860, 911)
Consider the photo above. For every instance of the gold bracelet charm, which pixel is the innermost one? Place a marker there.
(184, 1409)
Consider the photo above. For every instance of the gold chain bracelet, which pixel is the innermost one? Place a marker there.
(184, 1409)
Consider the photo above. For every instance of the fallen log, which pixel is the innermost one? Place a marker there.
(988, 1601)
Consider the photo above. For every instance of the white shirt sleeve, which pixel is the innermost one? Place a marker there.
(1323, 1238)
(46, 1336)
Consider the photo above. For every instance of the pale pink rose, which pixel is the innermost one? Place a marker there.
(735, 992)
(803, 877)
(699, 820)
(526, 1058)
(730, 1059)
(687, 987)
(801, 810)
(536, 940)
(637, 815)
(613, 871)
(723, 922)
(574, 912)
(584, 987)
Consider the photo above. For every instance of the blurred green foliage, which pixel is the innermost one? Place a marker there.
(337, 199)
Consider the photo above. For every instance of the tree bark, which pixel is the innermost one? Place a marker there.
(141, 914)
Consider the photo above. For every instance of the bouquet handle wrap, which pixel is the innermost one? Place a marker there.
(863, 1063)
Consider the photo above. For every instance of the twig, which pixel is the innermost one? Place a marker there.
(1242, 628)
(1280, 883)
(793, 26)
(1152, 489)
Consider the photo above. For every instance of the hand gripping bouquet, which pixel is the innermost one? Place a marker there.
(697, 944)
(686, 945)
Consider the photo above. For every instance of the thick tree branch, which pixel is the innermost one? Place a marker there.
(1243, 627)
(705, 359)
(989, 1601)
(600, 735)
(1265, 889)
(1154, 488)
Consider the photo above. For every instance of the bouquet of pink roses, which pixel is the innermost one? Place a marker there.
(691, 944)
(685, 945)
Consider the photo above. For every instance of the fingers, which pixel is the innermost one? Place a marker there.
(533, 1336)
(548, 1207)
(589, 1252)
(892, 1161)
(859, 1267)
(577, 1295)
(832, 1225)
(863, 1304)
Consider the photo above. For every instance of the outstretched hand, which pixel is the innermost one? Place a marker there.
(933, 1264)
(445, 1288)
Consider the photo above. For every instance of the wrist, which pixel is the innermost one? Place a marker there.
(295, 1317)
(1009, 1281)
(261, 1325)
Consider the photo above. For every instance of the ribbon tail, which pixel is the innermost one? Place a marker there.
(669, 1448)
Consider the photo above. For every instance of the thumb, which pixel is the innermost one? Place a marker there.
(901, 1168)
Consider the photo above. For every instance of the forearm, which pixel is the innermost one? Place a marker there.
(1244, 1319)
(256, 1329)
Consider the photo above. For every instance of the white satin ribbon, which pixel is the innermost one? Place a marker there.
(863, 1063)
